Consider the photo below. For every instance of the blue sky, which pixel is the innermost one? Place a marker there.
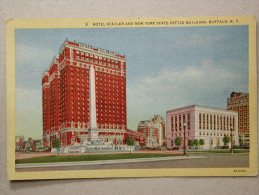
(167, 67)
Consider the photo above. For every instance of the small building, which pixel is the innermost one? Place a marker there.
(200, 122)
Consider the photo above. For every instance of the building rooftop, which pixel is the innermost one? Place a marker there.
(198, 106)
(91, 49)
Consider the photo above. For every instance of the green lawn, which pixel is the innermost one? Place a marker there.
(51, 159)
(221, 151)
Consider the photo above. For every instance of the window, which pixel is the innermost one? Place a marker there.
(203, 121)
(172, 123)
(199, 120)
(217, 122)
(210, 121)
(207, 122)
(224, 123)
(175, 121)
(180, 122)
(214, 119)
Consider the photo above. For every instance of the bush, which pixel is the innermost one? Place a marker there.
(201, 142)
(178, 141)
(225, 147)
(190, 143)
(236, 147)
(226, 140)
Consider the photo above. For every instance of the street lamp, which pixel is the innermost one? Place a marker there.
(231, 133)
(184, 139)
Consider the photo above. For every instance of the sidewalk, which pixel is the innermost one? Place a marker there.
(104, 162)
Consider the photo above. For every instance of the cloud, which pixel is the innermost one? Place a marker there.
(29, 53)
(207, 72)
(208, 84)
(30, 64)
(28, 112)
(199, 40)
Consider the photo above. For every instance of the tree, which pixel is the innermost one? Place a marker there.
(130, 141)
(178, 141)
(201, 142)
(196, 142)
(190, 143)
(56, 144)
(226, 140)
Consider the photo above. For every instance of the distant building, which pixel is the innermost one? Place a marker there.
(154, 130)
(19, 143)
(239, 102)
(200, 122)
(37, 145)
(30, 139)
(19, 140)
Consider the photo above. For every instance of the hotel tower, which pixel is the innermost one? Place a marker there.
(84, 96)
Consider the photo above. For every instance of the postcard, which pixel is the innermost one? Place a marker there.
(131, 97)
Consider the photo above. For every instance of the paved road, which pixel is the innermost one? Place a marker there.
(210, 161)
(104, 162)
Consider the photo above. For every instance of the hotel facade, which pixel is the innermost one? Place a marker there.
(84, 96)
(200, 122)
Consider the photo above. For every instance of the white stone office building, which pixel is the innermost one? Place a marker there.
(200, 122)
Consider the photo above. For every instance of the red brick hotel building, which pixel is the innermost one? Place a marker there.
(69, 109)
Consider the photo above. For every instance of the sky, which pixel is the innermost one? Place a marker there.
(166, 67)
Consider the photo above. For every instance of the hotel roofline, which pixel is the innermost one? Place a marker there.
(93, 50)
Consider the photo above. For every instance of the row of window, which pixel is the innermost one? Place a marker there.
(178, 124)
(97, 62)
(95, 56)
(78, 70)
(216, 122)
(110, 119)
(217, 134)
(180, 134)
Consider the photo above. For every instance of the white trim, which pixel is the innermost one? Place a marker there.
(93, 52)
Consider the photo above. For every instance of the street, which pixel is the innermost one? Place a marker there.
(210, 160)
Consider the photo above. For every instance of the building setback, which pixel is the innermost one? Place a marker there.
(66, 95)
(200, 122)
(239, 102)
